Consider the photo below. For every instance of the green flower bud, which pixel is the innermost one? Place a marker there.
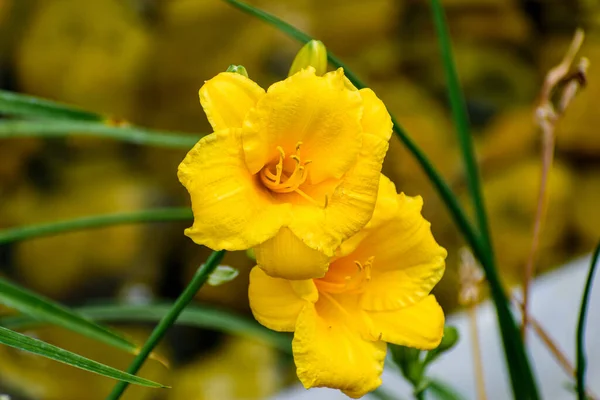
(312, 54)
(238, 69)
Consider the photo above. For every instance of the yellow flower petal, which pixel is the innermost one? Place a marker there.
(420, 326)
(375, 120)
(349, 207)
(330, 352)
(317, 111)
(386, 208)
(285, 256)
(276, 303)
(227, 98)
(408, 262)
(231, 211)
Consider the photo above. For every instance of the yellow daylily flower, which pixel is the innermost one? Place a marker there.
(292, 172)
(375, 291)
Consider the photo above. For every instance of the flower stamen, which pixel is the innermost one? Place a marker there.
(279, 182)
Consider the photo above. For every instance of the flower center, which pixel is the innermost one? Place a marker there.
(281, 181)
(351, 283)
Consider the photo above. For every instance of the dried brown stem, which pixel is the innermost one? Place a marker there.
(476, 348)
(471, 278)
(547, 116)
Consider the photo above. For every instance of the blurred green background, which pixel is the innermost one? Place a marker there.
(144, 60)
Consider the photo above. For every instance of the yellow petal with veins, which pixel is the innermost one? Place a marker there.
(408, 261)
(375, 120)
(317, 111)
(349, 207)
(420, 326)
(276, 303)
(330, 351)
(231, 210)
(385, 209)
(227, 98)
(285, 256)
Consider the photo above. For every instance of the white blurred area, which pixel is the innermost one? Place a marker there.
(555, 304)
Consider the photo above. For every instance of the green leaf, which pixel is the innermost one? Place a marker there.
(461, 119)
(580, 344)
(221, 275)
(29, 106)
(35, 346)
(61, 128)
(522, 380)
(45, 309)
(95, 221)
(194, 315)
(449, 340)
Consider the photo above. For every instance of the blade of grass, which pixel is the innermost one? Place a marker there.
(197, 316)
(461, 120)
(29, 106)
(95, 221)
(35, 346)
(513, 346)
(61, 128)
(580, 344)
(169, 319)
(521, 377)
(44, 309)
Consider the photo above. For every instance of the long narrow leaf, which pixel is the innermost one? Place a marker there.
(580, 345)
(35, 346)
(60, 128)
(461, 120)
(522, 380)
(198, 316)
(96, 221)
(29, 106)
(44, 309)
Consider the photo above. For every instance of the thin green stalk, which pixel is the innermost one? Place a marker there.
(24, 105)
(461, 120)
(522, 378)
(61, 128)
(513, 346)
(580, 345)
(161, 329)
(95, 221)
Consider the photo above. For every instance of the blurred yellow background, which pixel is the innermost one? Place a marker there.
(144, 60)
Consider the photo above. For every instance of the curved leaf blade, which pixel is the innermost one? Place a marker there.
(95, 221)
(193, 315)
(130, 134)
(35, 346)
(580, 341)
(29, 106)
(44, 309)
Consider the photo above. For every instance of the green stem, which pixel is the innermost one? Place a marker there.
(161, 329)
(461, 120)
(61, 128)
(96, 221)
(580, 345)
